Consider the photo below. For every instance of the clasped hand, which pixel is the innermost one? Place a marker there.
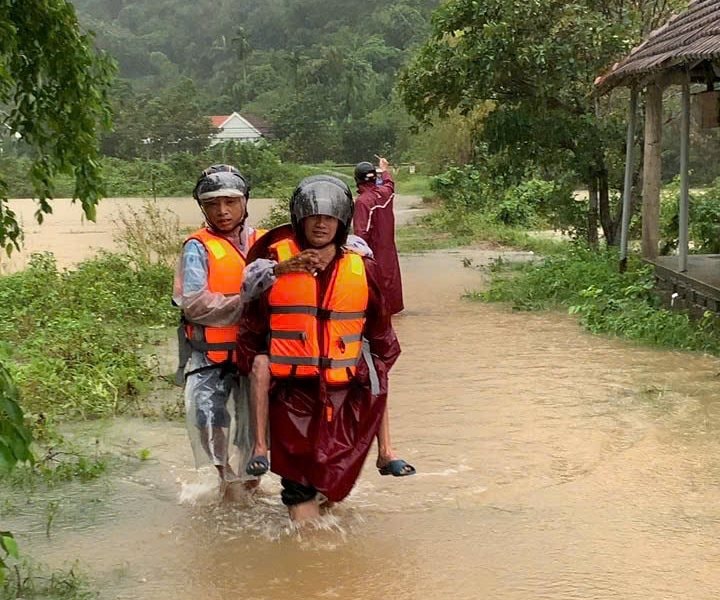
(308, 261)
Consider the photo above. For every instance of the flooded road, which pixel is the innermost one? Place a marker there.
(552, 465)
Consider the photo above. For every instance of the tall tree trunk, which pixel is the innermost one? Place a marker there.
(634, 202)
(608, 224)
(592, 224)
(652, 171)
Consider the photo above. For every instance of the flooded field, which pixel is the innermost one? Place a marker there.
(71, 237)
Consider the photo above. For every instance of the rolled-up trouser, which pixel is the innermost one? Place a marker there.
(295, 493)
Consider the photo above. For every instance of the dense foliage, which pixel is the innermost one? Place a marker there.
(536, 62)
(174, 176)
(704, 218)
(321, 71)
(53, 96)
(14, 435)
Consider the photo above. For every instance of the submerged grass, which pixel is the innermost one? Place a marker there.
(32, 581)
(78, 343)
(445, 228)
(588, 284)
(75, 342)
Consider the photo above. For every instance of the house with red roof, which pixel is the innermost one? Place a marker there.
(239, 128)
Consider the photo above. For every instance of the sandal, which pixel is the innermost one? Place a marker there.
(257, 465)
(397, 468)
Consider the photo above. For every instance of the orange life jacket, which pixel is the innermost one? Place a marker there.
(312, 336)
(226, 265)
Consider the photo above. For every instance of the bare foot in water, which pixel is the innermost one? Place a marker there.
(237, 491)
(304, 512)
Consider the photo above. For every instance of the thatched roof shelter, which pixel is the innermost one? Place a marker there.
(688, 41)
(684, 51)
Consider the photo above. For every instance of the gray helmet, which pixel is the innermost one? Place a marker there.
(322, 195)
(221, 180)
(365, 173)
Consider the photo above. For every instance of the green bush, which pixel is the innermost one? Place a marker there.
(532, 203)
(74, 337)
(150, 234)
(174, 175)
(462, 188)
(704, 219)
(529, 204)
(590, 285)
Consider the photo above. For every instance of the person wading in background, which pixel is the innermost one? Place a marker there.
(374, 221)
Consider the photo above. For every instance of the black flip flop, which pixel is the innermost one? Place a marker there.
(397, 468)
(257, 465)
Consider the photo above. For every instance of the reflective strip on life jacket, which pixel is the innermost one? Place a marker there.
(310, 336)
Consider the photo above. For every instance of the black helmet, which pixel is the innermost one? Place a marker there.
(221, 180)
(322, 195)
(365, 172)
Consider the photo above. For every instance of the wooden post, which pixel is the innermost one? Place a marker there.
(683, 208)
(627, 185)
(652, 171)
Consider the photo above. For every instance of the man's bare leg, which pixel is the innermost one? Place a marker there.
(305, 511)
(386, 453)
(385, 449)
(259, 400)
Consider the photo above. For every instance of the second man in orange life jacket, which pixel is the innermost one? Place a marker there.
(330, 346)
(207, 290)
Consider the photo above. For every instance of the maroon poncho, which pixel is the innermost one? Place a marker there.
(304, 446)
(374, 221)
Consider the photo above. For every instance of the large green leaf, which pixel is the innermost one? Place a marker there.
(8, 544)
(15, 437)
(53, 88)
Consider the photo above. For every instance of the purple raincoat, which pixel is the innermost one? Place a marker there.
(304, 446)
(374, 221)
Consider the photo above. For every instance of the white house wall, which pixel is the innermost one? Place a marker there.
(236, 129)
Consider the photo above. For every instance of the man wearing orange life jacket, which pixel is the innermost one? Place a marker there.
(329, 388)
(263, 268)
(207, 290)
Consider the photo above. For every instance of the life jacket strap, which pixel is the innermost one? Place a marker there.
(333, 315)
(321, 313)
(293, 310)
(288, 335)
(203, 346)
(298, 361)
(374, 379)
(337, 363)
(353, 337)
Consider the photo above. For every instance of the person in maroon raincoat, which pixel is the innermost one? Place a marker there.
(374, 221)
(321, 428)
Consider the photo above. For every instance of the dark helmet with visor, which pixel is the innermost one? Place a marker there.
(322, 195)
(365, 172)
(221, 181)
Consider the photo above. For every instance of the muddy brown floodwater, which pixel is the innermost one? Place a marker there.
(72, 238)
(552, 465)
